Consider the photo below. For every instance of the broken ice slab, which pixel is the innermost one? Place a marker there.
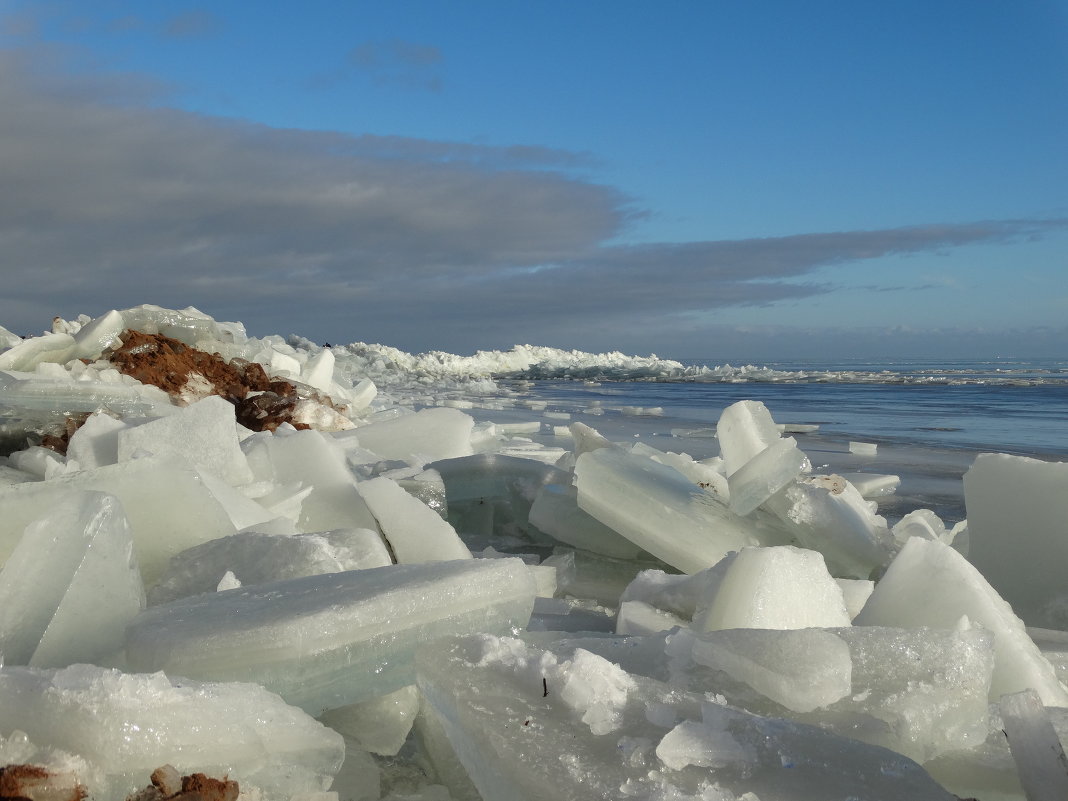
(556, 512)
(779, 587)
(802, 669)
(873, 485)
(27, 354)
(921, 692)
(258, 558)
(488, 491)
(426, 436)
(524, 722)
(188, 325)
(163, 497)
(380, 725)
(744, 429)
(765, 474)
(205, 433)
(71, 585)
(931, 584)
(1036, 749)
(310, 459)
(126, 725)
(327, 641)
(659, 509)
(1017, 509)
(99, 334)
(827, 514)
(414, 531)
(46, 396)
(863, 448)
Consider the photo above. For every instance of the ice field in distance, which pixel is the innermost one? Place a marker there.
(340, 585)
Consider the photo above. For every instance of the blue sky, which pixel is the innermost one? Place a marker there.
(742, 180)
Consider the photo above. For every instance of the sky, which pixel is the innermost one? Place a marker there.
(757, 180)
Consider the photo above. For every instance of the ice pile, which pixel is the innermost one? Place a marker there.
(313, 575)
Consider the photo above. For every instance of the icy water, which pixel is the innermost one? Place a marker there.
(929, 420)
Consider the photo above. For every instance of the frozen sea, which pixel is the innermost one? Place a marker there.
(928, 419)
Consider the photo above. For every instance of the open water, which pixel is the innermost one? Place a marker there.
(928, 420)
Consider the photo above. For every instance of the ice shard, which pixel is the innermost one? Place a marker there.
(71, 585)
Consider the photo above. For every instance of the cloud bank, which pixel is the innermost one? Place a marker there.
(112, 200)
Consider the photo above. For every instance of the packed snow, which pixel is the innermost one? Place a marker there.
(292, 571)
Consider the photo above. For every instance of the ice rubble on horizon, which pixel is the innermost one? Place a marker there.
(501, 619)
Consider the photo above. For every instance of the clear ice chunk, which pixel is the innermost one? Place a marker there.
(414, 531)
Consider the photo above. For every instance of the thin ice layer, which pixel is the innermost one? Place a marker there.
(326, 641)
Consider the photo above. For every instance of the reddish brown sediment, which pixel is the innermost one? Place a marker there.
(35, 783)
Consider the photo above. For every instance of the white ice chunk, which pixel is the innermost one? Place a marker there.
(1036, 749)
(415, 532)
(380, 725)
(873, 485)
(827, 514)
(863, 448)
(164, 499)
(327, 641)
(257, 558)
(310, 458)
(204, 432)
(97, 335)
(855, 592)
(128, 725)
(96, 442)
(931, 584)
(658, 509)
(765, 474)
(28, 353)
(779, 587)
(518, 742)
(1017, 508)
(638, 617)
(921, 692)
(921, 523)
(803, 669)
(318, 371)
(71, 585)
(556, 512)
(426, 436)
(744, 429)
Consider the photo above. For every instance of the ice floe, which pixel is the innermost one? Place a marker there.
(288, 571)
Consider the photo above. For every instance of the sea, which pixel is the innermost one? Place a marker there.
(927, 419)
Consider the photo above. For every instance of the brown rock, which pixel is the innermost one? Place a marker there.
(35, 783)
